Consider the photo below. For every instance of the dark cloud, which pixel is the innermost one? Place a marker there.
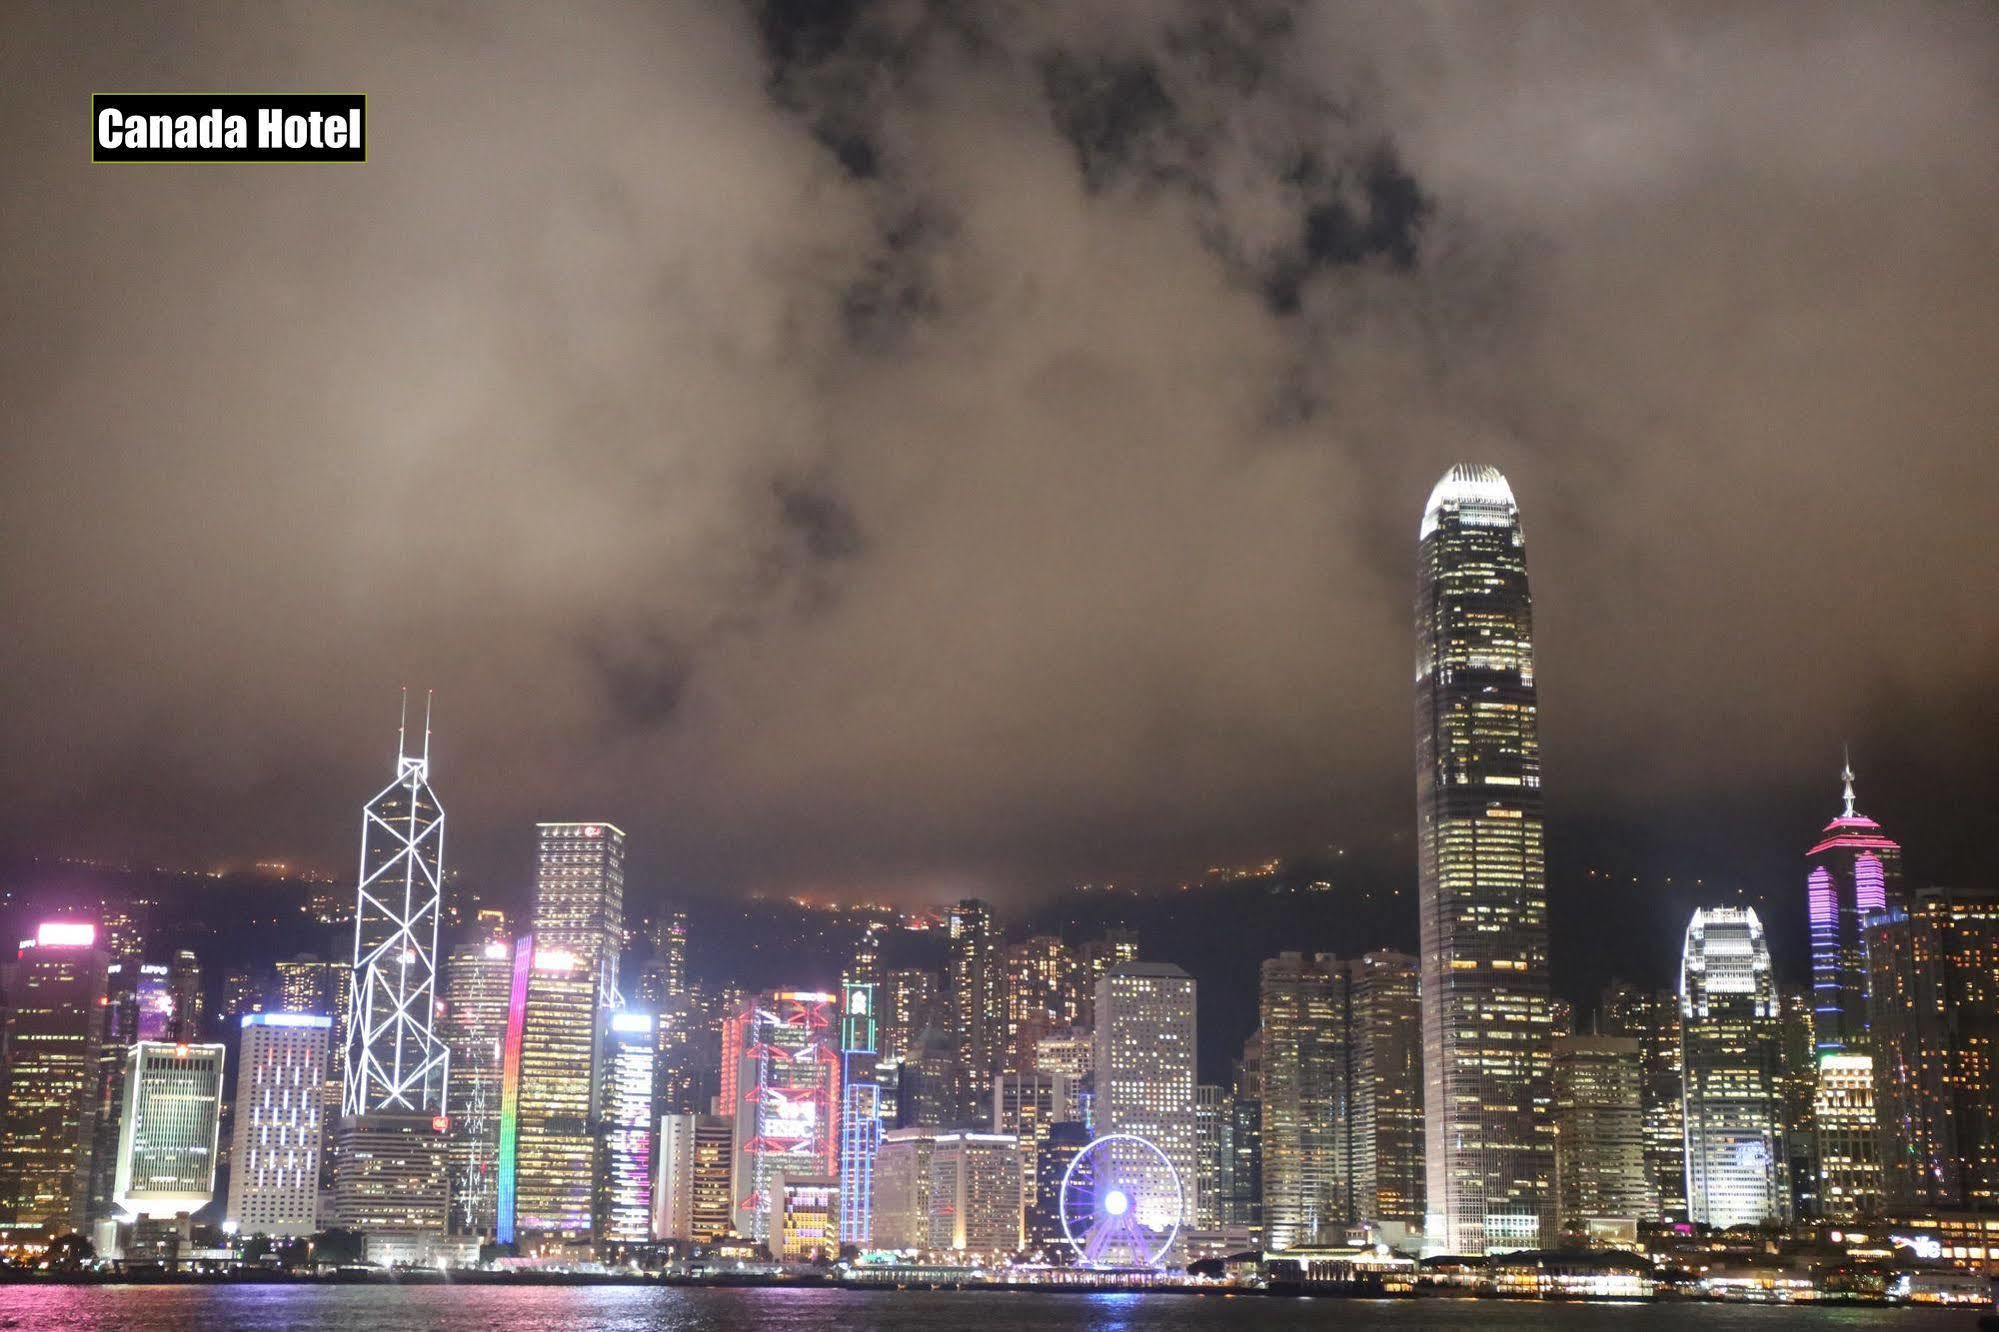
(937, 446)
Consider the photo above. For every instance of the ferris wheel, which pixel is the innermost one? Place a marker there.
(1121, 1203)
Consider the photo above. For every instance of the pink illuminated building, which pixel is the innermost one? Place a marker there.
(1856, 869)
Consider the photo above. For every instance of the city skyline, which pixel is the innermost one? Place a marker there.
(932, 564)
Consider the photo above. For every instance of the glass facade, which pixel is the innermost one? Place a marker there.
(1306, 1111)
(624, 1207)
(1732, 1051)
(1487, 1029)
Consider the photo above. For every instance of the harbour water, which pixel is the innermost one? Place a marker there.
(300, 1308)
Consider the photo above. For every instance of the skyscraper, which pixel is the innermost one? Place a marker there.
(274, 1161)
(1041, 994)
(1601, 1183)
(1385, 1047)
(1144, 1065)
(579, 898)
(978, 1002)
(1855, 869)
(547, 1159)
(975, 1193)
(691, 1201)
(1305, 1098)
(395, 1064)
(1733, 1057)
(1027, 1105)
(478, 984)
(860, 1111)
(1849, 1139)
(389, 1143)
(910, 1004)
(54, 991)
(625, 1126)
(902, 1188)
(1214, 1130)
(1934, 1001)
(786, 1096)
(168, 1135)
(1247, 1209)
(1652, 1018)
(1487, 1032)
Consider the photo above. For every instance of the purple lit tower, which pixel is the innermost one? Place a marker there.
(1856, 869)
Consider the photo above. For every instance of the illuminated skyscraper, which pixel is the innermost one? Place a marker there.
(786, 1096)
(1733, 1057)
(1041, 994)
(478, 984)
(1487, 1030)
(55, 991)
(168, 1133)
(1601, 1184)
(1934, 999)
(1145, 1066)
(1306, 1114)
(1849, 1139)
(978, 1002)
(579, 898)
(860, 1111)
(548, 1146)
(1652, 1018)
(1855, 869)
(395, 1064)
(910, 1005)
(274, 1161)
(390, 1169)
(1385, 1046)
(625, 1175)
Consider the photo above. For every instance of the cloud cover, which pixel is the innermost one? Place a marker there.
(934, 446)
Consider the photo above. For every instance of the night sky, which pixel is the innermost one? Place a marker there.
(922, 449)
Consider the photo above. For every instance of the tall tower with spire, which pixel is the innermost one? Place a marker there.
(1488, 1034)
(1855, 869)
(395, 1061)
(390, 1180)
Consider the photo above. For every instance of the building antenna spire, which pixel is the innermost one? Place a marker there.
(402, 727)
(430, 694)
(1846, 775)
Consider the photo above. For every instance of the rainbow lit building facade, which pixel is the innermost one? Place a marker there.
(1856, 870)
(786, 1091)
(507, 1163)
